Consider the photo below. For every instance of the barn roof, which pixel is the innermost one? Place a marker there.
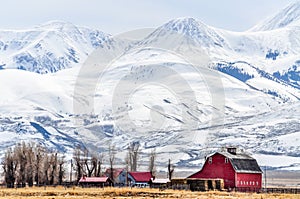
(242, 163)
(141, 176)
(94, 179)
(236, 156)
(245, 165)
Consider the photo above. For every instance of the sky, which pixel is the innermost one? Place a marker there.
(117, 16)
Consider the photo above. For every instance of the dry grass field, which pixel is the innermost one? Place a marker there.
(118, 193)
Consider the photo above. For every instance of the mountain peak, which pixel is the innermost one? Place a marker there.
(56, 25)
(290, 15)
(185, 30)
(185, 25)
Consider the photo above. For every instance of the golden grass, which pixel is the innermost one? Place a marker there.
(136, 193)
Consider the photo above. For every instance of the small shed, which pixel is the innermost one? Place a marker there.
(178, 181)
(95, 181)
(159, 182)
(198, 184)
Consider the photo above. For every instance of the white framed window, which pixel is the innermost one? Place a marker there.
(210, 160)
(226, 160)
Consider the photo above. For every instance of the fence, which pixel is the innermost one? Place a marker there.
(268, 190)
(281, 190)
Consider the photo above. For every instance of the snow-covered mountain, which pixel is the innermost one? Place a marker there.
(248, 57)
(50, 47)
(184, 89)
(289, 16)
(190, 30)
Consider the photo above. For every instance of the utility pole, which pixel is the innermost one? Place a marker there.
(71, 171)
(126, 171)
(265, 177)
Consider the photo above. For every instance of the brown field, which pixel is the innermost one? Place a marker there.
(118, 193)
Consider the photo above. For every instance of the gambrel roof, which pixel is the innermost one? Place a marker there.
(241, 163)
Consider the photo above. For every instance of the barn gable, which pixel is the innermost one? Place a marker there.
(242, 163)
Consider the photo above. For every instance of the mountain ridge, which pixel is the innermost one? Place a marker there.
(50, 47)
(288, 16)
(256, 74)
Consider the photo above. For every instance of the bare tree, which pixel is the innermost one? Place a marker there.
(61, 170)
(111, 154)
(98, 165)
(39, 154)
(87, 164)
(45, 169)
(24, 163)
(10, 164)
(90, 163)
(27, 163)
(152, 162)
(133, 151)
(127, 167)
(20, 152)
(127, 161)
(170, 170)
(53, 168)
(30, 164)
(77, 156)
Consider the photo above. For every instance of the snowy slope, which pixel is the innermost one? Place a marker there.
(184, 89)
(248, 57)
(289, 16)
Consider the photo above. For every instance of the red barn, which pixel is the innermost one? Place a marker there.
(238, 170)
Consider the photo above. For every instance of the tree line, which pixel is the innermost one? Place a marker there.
(29, 163)
(90, 164)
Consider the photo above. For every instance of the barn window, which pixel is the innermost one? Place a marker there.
(210, 160)
(226, 160)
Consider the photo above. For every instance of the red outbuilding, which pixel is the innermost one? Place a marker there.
(237, 169)
(95, 181)
(139, 179)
